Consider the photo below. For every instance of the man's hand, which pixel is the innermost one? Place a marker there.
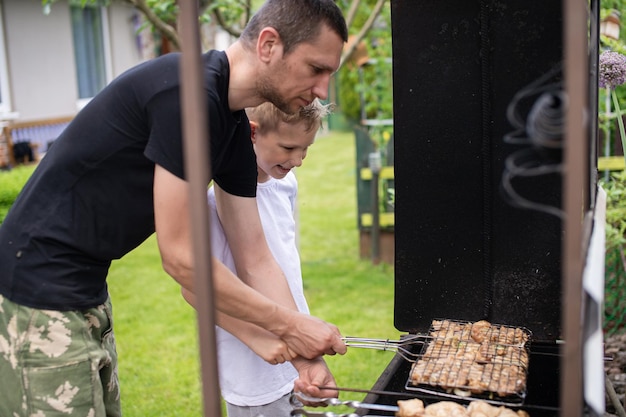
(314, 373)
(310, 336)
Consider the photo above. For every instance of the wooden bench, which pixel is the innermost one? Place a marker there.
(33, 137)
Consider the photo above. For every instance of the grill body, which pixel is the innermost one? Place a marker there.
(464, 248)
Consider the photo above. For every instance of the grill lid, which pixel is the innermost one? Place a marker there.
(462, 251)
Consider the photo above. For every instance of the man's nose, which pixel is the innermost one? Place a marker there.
(320, 90)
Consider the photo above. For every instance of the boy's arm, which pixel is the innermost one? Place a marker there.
(267, 345)
(306, 335)
(312, 373)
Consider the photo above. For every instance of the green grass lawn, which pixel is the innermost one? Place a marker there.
(156, 330)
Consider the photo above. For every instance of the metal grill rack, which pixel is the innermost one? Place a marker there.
(478, 360)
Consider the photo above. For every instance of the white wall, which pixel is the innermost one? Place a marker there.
(40, 59)
(124, 47)
(40, 55)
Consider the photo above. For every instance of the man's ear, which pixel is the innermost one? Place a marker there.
(268, 44)
(253, 130)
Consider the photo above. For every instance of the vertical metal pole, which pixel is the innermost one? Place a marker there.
(375, 220)
(197, 169)
(607, 139)
(375, 164)
(576, 73)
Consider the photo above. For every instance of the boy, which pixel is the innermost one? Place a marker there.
(250, 385)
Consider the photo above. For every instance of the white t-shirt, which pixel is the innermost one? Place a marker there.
(245, 378)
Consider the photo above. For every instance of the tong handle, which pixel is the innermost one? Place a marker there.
(409, 340)
(398, 346)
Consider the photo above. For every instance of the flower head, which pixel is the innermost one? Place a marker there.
(612, 69)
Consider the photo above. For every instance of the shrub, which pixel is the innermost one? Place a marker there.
(615, 275)
(12, 182)
(366, 91)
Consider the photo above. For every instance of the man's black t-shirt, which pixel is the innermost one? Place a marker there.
(90, 200)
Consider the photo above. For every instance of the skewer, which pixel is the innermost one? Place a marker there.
(364, 391)
(300, 412)
(336, 402)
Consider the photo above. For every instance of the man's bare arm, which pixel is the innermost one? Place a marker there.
(306, 335)
(255, 264)
(258, 268)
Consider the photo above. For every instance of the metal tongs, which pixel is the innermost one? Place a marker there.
(398, 346)
(300, 412)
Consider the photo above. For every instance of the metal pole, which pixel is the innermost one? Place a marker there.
(197, 169)
(576, 73)
(607, 139)
(375, 166)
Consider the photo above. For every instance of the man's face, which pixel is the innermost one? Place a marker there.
(294, 80)
(280, 150)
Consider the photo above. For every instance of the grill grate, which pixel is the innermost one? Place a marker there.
(473, 359)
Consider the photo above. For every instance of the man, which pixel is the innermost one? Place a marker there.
(115, 176)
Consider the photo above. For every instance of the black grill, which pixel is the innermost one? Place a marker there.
(464, 248)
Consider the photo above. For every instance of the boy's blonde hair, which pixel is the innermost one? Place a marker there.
(267, 116)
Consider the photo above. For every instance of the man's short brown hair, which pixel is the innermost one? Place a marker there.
(296, 21)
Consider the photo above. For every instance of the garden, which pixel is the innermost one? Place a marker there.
(156, 330)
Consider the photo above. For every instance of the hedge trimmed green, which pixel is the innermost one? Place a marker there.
(11, 183)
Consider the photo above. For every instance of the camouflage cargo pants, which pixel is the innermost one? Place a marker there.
(57, 363)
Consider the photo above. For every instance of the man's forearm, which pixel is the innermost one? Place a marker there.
(254, 261)
(238, 300)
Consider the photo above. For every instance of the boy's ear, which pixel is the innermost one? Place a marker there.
(253, 130)
(268, 44)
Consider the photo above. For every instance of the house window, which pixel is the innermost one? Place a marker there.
(91, 50)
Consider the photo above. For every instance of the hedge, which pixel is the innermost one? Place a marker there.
(11, 183)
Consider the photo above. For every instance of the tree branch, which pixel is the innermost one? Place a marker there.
(224, 25)
(366, 27)
(354, 6)
(166, 29)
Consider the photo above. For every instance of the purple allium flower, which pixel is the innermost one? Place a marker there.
(612, 69)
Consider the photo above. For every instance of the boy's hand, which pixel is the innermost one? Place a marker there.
(314, 373)
(272, 349)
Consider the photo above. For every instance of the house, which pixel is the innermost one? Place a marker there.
(53, 60)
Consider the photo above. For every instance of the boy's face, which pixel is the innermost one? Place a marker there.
(294, 80)
(280, 150)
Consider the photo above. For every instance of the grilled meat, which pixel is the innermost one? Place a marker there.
(416, 408)
(476, 357)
